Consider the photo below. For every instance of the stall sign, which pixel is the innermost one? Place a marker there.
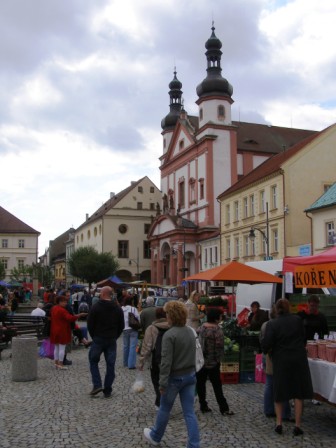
(315, 276)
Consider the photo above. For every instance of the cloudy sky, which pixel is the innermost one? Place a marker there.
(84, 86)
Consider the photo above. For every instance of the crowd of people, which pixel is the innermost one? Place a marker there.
(168, 347)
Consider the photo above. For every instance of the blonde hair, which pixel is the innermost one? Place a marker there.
(177, 313)
(192, 296)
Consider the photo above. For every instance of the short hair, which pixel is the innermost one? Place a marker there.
(177, 312)
(60, 299)
(282, 306)
(160, 313)
(313, 298)
(213, 314)
(128, 300)
(150, 301)
(255, 303)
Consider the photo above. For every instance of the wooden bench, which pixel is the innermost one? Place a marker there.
(23, 325)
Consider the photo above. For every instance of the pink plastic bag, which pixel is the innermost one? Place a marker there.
(47, 349)
(260, 375)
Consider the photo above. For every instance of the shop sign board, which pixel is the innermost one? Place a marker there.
(315, 276)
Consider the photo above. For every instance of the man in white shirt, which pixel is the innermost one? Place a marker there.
(38, 311)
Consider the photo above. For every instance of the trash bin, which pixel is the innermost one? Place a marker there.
(24, 358)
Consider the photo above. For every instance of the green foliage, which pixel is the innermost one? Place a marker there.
(23, 274)
(2, 271)
(88, 265)
(213, 301)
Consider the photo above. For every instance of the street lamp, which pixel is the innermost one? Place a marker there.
(265, 235)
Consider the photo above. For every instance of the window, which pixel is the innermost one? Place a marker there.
(210, 256)
(95, 231)
(246, 245)
(181, 195)
(221, 113)
(227, 214)
(164, 142)
(82, 237)
(181, 144)
(122, 228)
(205, 257)
(201, 185)
(21, 244)
(146, 228)
(151, 189)
(139, 205)
(77, 238)
(4, 263)
(21, 263)
(146, 250)
(4, 243)
(275, 240)
(262, 202)
(236, 247)
(245, 207)
(236, 211)
(274, 196)
(252, 205)
(228, 248)
(216, 254)
(100, 229)
(88, 234)
(123, 249)
(140, 189)
(330, 228)
(201, 114)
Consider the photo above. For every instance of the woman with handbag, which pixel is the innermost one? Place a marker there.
(60, 332)
(130, 333)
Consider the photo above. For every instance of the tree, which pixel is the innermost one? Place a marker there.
(88, 265)
(2, 271)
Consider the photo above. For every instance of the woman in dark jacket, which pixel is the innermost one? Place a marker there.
(284, 341)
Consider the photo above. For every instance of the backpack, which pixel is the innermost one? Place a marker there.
(156, 353)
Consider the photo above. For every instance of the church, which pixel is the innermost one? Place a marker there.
(202, 156)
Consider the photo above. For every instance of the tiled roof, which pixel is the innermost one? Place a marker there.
(327, 199)
(57, 246)
(11, 224)
(110, 203)
(270, 166)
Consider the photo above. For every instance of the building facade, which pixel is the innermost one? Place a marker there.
(121, 226)
(18, 243)
(202, 157)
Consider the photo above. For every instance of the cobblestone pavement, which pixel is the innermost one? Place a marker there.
(56, 411)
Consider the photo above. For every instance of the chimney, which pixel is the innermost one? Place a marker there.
(86, 216)
(112, 194)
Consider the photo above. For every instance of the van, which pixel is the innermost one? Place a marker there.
(268, 293)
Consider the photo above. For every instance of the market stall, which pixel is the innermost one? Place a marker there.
(323, 375)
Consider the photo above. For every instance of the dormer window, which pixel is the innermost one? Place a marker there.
(221, 112)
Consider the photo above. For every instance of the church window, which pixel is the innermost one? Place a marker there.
(181, 144)
(221, 112)
(201, 186)
(201, 114)
(181, 194)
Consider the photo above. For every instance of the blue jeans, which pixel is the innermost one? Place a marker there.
(130, 341)
(269, 400)
(183, 385)
(109, 348)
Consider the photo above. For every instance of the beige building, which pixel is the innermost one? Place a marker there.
(18, 243)
(271, 200)
(120, 226)
(323, 220)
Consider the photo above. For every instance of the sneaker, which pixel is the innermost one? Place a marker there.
(96, 391)
(67, 362)
(147, 436)
(107, 395)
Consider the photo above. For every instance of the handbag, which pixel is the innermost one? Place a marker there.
(133, 321)
(199, 357)
(47, 349)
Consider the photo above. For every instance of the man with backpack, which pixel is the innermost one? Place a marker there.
(151, 350)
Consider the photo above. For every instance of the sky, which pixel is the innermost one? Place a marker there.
(84, 86)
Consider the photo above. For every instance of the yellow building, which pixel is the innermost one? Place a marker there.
(269, 202)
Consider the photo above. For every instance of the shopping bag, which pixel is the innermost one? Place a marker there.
(260, 375)
(47, 349)
(242, 318)
(139, 385)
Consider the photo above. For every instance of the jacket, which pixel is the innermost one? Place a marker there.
(105, 320)
(149, 340)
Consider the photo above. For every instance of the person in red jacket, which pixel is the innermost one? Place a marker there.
(60, 333)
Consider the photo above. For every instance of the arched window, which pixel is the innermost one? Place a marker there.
(201, 114)
(181, 144)
(221, 112)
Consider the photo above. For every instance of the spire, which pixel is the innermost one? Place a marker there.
(214, 83)
(175, 106)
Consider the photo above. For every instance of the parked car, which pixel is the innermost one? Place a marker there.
(161, 301)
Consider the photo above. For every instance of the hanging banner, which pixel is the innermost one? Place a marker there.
(315, 276)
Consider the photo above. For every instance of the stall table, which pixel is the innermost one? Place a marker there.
(323, 375)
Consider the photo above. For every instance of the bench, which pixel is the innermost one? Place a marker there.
(23, 325)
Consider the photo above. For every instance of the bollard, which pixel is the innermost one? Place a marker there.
(24, 358)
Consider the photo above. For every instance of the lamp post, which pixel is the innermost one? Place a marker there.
(265, 235)
(136, 262)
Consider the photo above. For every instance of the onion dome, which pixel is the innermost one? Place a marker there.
(214, 83)
(175, 94)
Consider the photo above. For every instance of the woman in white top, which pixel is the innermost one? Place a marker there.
(194, 316)
(130, 336)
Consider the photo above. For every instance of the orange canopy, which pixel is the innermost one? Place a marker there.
(234, 272)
